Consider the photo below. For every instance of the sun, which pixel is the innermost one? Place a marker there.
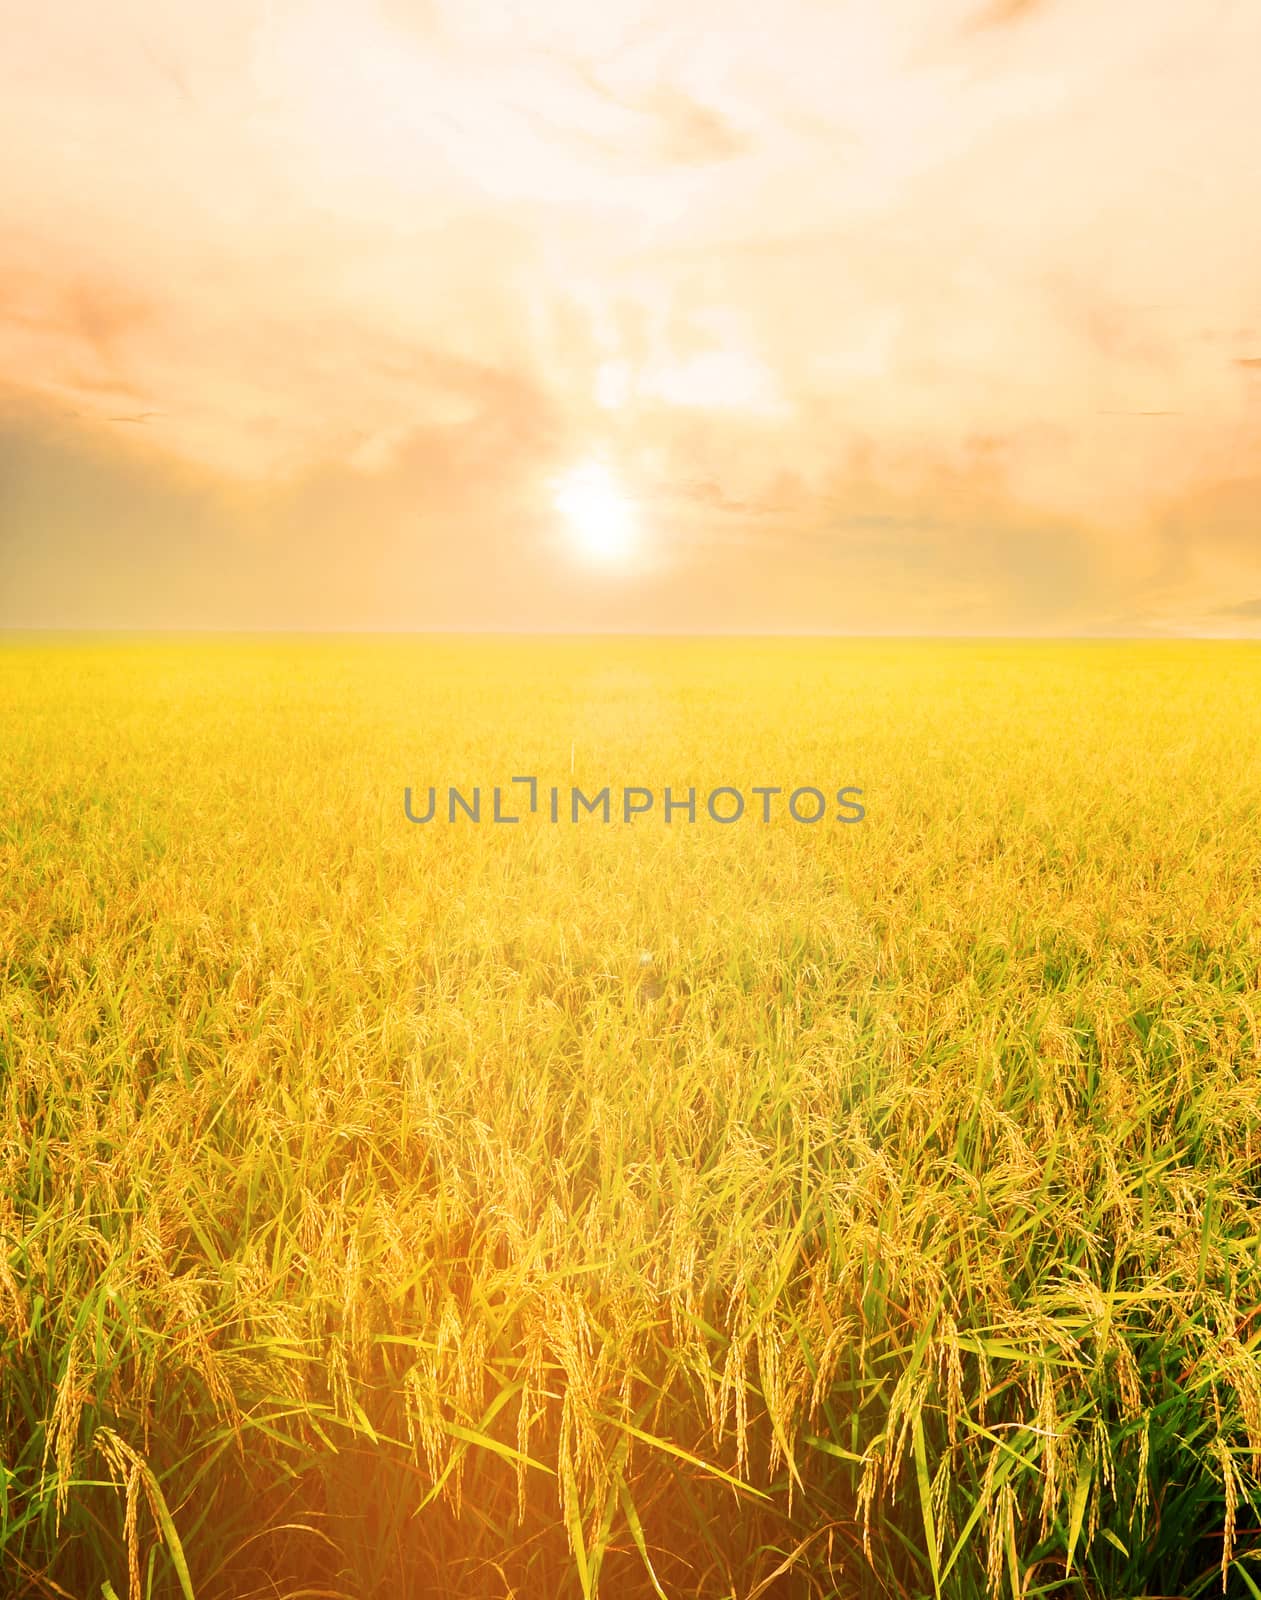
(601, 520)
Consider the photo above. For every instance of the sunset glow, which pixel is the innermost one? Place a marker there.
(944, 314)
(597, 513)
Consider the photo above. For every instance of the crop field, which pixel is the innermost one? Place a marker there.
(766, 1208)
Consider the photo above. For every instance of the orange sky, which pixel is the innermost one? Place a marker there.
(918, 316)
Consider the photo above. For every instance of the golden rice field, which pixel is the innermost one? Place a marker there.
(376, 1221)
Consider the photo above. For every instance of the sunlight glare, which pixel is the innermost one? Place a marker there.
(599, 516)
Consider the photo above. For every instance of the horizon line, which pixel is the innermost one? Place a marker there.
(61, 632)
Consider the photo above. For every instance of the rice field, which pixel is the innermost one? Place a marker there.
(691, 1209)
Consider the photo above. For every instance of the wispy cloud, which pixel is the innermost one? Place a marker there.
(1002, 13)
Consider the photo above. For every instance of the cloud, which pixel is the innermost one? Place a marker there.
(672, 125)
(692, 134)
(1216, 518)
(1002, 13)
(456, 528)
(168, 68)
(1244, 608)
(94, 532)
(950, 539)
(95, 314)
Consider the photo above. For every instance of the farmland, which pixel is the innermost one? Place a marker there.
(774, 1208)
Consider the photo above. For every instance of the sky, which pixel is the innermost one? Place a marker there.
(932, 316)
